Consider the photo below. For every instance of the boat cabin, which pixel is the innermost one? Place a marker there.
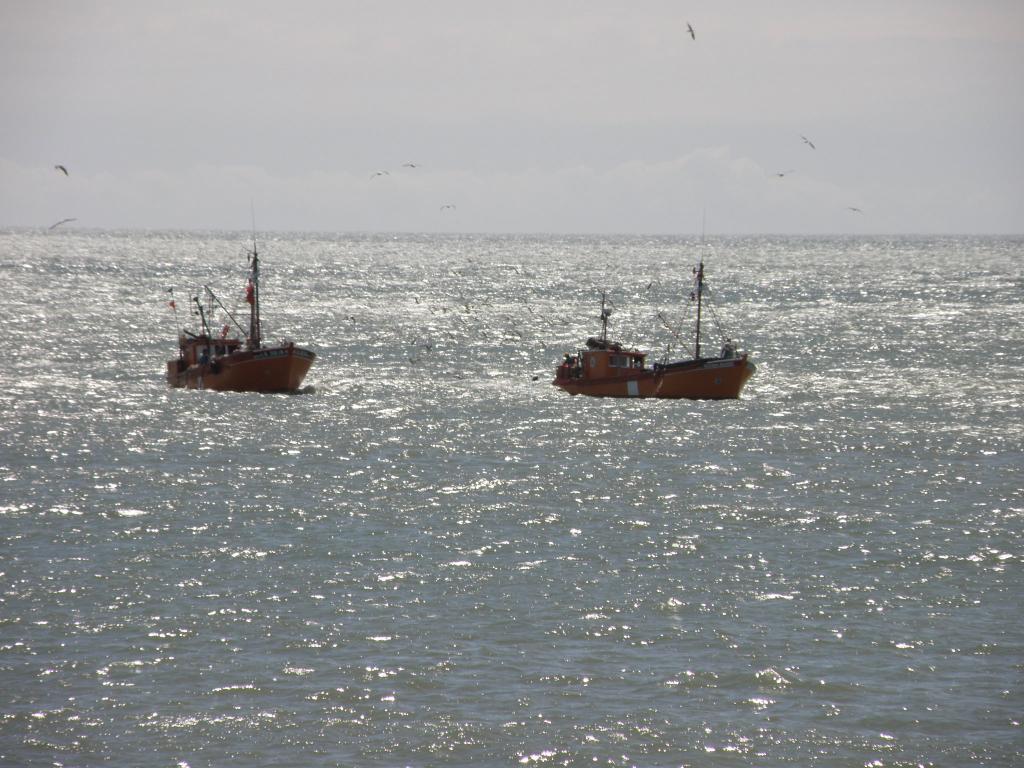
(199, 350)
(601, 360)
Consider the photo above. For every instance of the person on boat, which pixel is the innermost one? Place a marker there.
(728, 350)
(205, 357)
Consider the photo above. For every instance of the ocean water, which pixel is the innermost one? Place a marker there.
(432, 557)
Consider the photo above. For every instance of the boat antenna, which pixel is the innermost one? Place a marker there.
(252, 213)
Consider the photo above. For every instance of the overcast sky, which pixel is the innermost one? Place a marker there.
(527, 116)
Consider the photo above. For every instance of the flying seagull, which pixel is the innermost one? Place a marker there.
(379, 173)
(855, 210)
(781, 174)
(447, 206)
(62, 221)
(409, 165)
(689, 28)
(808, 142)
(61, 168)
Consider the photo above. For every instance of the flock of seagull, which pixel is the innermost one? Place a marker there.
(784, 174)
(808, 142)
(693, 36)
(450, 206)
(375, 174)
(63, 170)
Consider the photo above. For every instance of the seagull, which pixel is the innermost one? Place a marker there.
(61, 168)
(410, 165)
(855, 210)
(689, 28)
(379, 173)
(449, 205)
(781, 174)
(808, 142)
(62, 221)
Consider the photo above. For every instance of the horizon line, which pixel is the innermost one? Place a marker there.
(472, 233)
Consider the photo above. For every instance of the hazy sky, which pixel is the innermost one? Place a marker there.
(527, 116)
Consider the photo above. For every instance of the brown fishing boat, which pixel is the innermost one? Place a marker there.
(607, 369)
(241, 362)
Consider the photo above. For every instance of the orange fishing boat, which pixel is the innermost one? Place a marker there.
(607, 369)
(239, 363)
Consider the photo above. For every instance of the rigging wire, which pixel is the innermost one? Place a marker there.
(714, 314)
(676, 332)
(214, 297)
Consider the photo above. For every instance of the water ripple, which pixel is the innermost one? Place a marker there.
(434, 557)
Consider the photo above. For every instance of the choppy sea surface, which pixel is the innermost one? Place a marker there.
(432, 557)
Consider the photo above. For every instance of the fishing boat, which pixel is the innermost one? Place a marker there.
(608, 369)
(240, 362)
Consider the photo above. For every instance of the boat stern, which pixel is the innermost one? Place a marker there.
(175, 368)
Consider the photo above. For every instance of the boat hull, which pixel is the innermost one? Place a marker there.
(716, 379)
(270, 369)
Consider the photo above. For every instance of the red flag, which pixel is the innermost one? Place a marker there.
(250, 292)
(171, 304)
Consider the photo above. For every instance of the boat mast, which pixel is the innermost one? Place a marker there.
(700, 287)
(253, 296)
(700, 292)
(202, 316)
(605, 313)
(177, 328)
